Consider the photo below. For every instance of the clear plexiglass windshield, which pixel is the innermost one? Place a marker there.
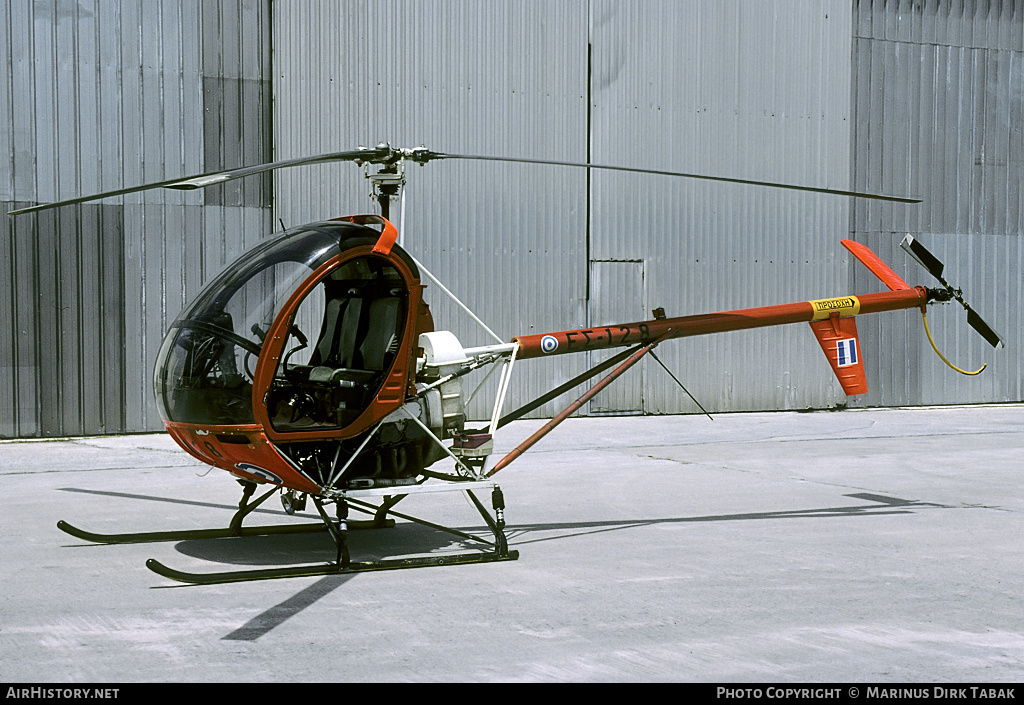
(204, 371)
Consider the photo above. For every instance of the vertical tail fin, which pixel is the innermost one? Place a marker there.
(838, 339)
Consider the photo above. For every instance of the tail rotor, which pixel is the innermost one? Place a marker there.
(930, 262)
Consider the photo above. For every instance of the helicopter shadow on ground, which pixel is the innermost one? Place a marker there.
(409, 539)
(878, 505)
(414, 537)
(298, 549)
(406, 539)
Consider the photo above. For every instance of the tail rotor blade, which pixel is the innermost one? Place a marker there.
(923, 257)
(976, 322)
(930, 262)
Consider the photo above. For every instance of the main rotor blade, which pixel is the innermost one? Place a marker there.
(349, 156)
(202, 180)
(657, 172)
(383, 153)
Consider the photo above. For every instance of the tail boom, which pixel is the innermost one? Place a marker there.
(619, 335)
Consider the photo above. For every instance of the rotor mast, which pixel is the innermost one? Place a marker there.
(387, 186)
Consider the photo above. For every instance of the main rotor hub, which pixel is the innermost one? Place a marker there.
(387, 155)
(388, 182)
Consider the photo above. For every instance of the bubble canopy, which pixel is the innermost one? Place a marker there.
(206, 369)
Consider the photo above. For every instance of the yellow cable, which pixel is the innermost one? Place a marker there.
(936, 349)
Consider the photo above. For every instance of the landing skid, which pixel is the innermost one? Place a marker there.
(237, 576)
(338, 529)
(187, 535)
(234, 529)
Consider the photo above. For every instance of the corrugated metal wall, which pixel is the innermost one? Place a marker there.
(95, 95)
(938, 112)
(469, 77)
(753, 89)
(756, 90)
(99, 94)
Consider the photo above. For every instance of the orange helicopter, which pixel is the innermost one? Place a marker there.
(359, 411)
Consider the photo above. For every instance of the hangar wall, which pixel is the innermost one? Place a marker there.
(921, 98)
(938, 112)
(96, 95)
(754, 89)
(835, 94)
(491, 78)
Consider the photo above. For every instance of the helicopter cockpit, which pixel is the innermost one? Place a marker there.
(219, 355)
(360, 309)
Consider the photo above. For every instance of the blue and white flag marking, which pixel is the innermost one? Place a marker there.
(847, 352)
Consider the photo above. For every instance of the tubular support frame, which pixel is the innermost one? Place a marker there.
(575, 406)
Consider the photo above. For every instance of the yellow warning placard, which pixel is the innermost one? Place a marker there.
(845, 306)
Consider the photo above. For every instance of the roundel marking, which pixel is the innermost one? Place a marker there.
(260, 472)
(548, 344)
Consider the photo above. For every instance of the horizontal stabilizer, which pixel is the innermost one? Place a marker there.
(879, 268)
(838, 339)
